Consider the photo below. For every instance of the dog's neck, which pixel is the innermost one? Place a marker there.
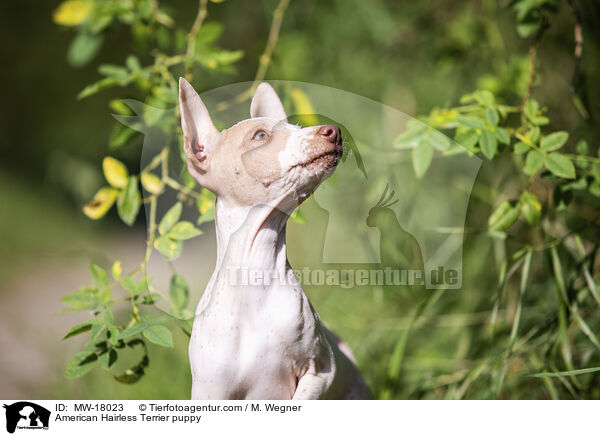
(251, 238)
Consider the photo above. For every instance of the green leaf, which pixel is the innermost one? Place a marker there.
(521, 148)
(97, 329)
(566, 373)
(438, 140)
(554, 141)
(96, 346)
(540, 121)
(108, 359)
(582, 147)
(531, 208)
(141, 286)
(421, 158)
(504, 216)
(183, 230)
(535, 134)
(109, 318)
(116, 71)
(467, 139)
(533, 162)
(522, 289)
(133, 63)
(585, 328)
(83, 48)
(412, 136)
(596, 171)
(128, 284)
(99, 275)
(129, 201)
(168, 247)
(80, 328)
(113, 335)
(560, 166)
(170, 218)
(107, 82)
(558, 275)
(132, 331)
(120, 136)
(159, 335)
(81, 364)
(179, 291)
(531, 108)
(472, 122)
(526, 29)
(492, 117)
(488, 144)
(87, 298)
(483, 97)
(502, 135)
(590, 283)
(209, 33)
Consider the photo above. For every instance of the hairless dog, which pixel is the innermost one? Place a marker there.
(261, 339)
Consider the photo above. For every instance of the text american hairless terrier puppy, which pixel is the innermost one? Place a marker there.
(265, 340)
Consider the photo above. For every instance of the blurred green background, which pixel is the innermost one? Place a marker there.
(409, 55)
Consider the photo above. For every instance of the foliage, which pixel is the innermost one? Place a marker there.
(540, 319)
(542, 161)
(192, 51)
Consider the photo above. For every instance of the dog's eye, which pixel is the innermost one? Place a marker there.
(260, 135)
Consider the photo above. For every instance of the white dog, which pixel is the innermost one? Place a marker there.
(261, 339)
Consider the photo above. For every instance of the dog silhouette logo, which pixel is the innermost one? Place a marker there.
(26, 415)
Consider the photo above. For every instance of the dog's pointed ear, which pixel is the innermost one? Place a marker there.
(266, 103)
(200, 136)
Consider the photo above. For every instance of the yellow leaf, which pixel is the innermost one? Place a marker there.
(101, 203)
(115, 172)
(117, 269)
(152, 183)
(72, 12)
(303, 107)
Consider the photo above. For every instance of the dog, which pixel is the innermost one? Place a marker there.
(261, 339)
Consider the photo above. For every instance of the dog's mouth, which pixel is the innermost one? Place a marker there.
(326, 160)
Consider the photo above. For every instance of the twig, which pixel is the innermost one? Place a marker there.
(532, 60)
(191, 45)
(264, 60)
(577, 76)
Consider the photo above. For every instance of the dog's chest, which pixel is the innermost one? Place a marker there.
(248, 339)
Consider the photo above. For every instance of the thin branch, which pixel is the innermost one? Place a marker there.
(265, 58)
(191, 45)
(577, 78)
(532, 60)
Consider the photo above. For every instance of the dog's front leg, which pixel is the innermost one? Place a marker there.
(311, 387)
(318, 379)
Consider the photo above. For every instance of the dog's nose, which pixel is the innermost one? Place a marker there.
(331, 133)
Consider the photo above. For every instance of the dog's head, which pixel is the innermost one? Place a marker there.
(261, 160)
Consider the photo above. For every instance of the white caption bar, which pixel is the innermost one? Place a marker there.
(302, 417)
